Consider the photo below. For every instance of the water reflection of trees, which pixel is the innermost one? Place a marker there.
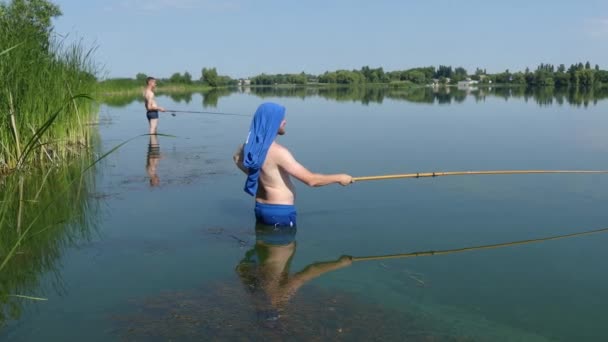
(179, 97)
(58, 204)
(119, 101)
(377, 94)
(211, 97)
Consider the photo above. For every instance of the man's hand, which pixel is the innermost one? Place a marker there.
(345, 179)
(237, 157)
(161, 109)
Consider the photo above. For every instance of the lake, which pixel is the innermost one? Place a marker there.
(159, 242)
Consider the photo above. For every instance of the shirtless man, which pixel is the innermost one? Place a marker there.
(152, 108)
(272, 165)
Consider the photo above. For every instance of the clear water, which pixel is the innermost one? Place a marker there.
(160, 262)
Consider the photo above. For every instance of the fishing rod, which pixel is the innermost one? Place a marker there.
(462, 173)
(201, 112)
(475, 248)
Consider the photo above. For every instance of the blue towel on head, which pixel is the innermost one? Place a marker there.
(264, 127)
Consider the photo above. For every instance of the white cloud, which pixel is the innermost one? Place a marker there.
(597, 27)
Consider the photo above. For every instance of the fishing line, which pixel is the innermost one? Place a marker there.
(202, 112)
(475, 248)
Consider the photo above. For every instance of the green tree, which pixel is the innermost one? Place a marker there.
(176, 78)
(30, 18)
(518, 78)
(561, 79)
(187, 78)
(416, 76)
(586, 77)
(210, 77)
(444, 71)
(141, 77)
(601, 76)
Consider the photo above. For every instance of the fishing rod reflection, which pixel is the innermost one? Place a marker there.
(265, 270)
(152, 159)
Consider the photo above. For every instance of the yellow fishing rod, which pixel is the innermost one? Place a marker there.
(467, 173)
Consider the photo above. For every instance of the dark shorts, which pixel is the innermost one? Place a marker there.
(277, 215)
(152, 114)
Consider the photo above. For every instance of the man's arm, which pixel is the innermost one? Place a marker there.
(286, 161)
(238, 159)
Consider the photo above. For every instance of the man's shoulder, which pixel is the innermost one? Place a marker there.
(279, 154)
(278, 148)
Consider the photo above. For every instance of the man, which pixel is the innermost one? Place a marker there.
(272, 165)
(152, 108)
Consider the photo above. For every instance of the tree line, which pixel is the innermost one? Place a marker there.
(576, 75)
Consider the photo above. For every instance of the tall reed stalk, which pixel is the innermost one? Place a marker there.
(39, 73)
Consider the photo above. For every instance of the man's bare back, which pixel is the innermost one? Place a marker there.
(275, 186)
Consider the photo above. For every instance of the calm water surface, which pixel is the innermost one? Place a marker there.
(169, 250)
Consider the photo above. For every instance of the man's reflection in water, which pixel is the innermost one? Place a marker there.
(152, 160)
(265, 270)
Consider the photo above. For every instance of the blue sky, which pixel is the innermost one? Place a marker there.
(243, 38)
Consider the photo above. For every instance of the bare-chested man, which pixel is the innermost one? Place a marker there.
(272, 165)
(152, 108)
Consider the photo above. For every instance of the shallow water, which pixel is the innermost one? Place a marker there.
(166, 236)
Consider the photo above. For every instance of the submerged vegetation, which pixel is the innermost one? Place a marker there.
(227, 311)
(41, 116)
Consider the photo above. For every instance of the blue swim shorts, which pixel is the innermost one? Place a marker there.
(152, 114)
(278, 215)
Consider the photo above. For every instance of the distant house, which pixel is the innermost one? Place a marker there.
(437, 82)
(466, 83)
(244, 82)
(483, 77)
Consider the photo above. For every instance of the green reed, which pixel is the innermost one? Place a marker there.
(40, 76)
(120, 87)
